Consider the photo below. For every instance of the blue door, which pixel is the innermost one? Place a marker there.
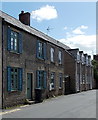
(29, 86)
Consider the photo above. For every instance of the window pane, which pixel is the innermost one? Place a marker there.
(16, 77)
(15, 70)
(12, 39)
(12, 43)
(15, 34)
(11, 33)
(12, 70)
(12, 76)
(12, 84)
(15, 44)
(15, 40)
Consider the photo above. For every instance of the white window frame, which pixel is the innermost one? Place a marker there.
(14, 41)
(60, 57)
(78, 56)
(86, 60)
(52, 54)
(52, 82)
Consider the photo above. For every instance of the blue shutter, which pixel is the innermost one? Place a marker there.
(9, 39)
(61, 58)
(9, 78)
(20, 43)
(54, 80)
(59, 80)
(37, 78)
(45, 80)
(20, 78)
(37, 48)
(45, 51)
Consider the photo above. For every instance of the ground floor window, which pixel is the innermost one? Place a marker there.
(83, 79)
(14, 78)
(52, 83)
(60, 80)
(41, 79)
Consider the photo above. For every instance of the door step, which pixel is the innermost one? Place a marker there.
(30, 101)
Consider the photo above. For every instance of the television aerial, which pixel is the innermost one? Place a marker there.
(48, 29)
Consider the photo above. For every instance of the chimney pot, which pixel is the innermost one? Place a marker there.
(22, 11)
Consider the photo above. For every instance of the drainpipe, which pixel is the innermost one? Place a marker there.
(2, 61)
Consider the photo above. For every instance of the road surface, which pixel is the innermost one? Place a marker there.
(80, 105)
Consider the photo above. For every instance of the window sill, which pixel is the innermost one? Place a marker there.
(40, 88)
(60, 64)
(15, 52)
(53, 89)
(39, 58)
(13, 91)
(60, 88)
(52, 62)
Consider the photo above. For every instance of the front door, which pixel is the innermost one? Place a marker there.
(67, 85)
(29, 85)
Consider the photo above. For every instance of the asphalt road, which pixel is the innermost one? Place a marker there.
(80, 105)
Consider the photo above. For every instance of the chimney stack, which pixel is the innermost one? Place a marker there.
(24, 18)
(95, 57)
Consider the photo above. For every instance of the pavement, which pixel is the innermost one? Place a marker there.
(80, 105)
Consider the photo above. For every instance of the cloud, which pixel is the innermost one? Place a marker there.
(87, 43)
(44, 13)
(65, 28)
(83, 27)
(79, 29)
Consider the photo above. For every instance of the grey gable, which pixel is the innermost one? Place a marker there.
(31, 30)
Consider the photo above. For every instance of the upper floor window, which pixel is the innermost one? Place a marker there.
(86, 60)
(83, 58)
(78, 56)
(14, 42)
(52, 54)
(41, 79)
(89, 61)
(14, 78)
(41, 50)
(60, 57)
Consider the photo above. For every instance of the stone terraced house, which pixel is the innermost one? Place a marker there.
(31, 60)
(79, 71)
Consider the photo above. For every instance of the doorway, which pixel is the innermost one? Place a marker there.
(29, 86)
(67, 85)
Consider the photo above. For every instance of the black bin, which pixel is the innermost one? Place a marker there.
(38, 95)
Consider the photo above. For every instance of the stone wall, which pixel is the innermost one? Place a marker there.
(30, 64)
(0, 62)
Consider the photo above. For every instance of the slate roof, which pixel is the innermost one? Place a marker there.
(31, 30)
